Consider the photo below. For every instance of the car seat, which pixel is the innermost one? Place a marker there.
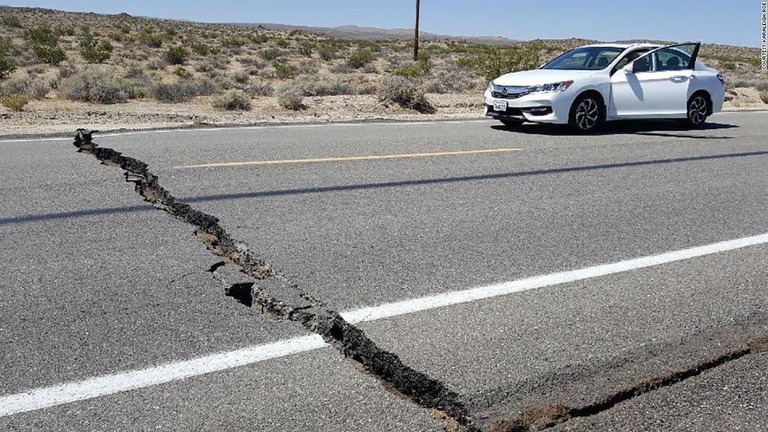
(673, 63)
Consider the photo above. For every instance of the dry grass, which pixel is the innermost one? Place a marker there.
(14, 102)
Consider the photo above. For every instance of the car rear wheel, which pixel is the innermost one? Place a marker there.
(698, 110)
(587, 114)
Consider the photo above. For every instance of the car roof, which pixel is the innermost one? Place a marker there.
(622, 45)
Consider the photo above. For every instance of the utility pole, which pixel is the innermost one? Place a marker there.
(416, 39)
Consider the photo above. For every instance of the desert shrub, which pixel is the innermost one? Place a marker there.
(410, 71)
(741, 83)
(261, 89)
(366, 89)
(322, 87)
(152, 40)
(270, 54)
(762, 86)
(258, 38)
(306, 48)
(134, 71)
(174, 93)
(11, 21)
(66, 69)
(403, 91)
(27, 85)
(138, 89)
(95, 51)
(204, 87)
(182, 72)
(234, 42)
(729, 66)
(764, 97)
(52, 55)
(7, 64)
(291, 99)
(360, 58)
(285, 70)
(176, 55)
(224, 82)
(491, 61)
(282, 43)
(245, 60)
(95, 85)
(41, 36)
(157, 64)
(309, 67)
(328, 51)
(201, 49)
(342, 68)
(44, 42)
(14, 102)
(452, 80)
(233, 100)
(241, 77)
(212, 64)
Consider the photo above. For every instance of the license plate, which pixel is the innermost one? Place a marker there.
(499, 105)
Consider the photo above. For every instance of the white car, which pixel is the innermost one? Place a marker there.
(589, 85)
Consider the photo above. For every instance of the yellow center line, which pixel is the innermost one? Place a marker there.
(348, 158)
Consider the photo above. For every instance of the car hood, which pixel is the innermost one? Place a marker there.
(541, 76)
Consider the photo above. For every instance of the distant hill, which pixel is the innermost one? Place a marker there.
(374, 33)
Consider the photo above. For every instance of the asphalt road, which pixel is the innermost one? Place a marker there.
(95, 282)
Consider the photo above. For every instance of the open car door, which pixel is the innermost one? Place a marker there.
(656, 84)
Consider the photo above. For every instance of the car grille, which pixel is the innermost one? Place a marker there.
(512, 92)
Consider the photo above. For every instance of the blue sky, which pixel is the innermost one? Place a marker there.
(735, 22)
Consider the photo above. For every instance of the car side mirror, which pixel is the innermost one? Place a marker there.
(629, 69)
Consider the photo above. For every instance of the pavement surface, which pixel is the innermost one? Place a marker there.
(96, 282)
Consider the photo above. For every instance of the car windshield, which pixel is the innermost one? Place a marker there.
(589, 58)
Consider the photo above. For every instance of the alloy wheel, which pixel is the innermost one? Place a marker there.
(587, 114)
(697, 110)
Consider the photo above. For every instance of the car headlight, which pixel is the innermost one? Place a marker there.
(551, 88)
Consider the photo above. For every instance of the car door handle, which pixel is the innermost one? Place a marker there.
(680, 78)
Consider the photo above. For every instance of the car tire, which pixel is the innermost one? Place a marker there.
(512, 124)
(698, 110)
(587, 114)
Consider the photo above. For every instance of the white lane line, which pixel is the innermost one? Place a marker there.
(485, 292)
(249, 128)
(109, 384)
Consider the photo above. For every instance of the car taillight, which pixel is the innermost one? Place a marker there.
(721, 78)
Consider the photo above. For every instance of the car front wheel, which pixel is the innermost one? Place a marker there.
(587, 114)
(698, 110)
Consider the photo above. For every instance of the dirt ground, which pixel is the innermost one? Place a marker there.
(58, 117)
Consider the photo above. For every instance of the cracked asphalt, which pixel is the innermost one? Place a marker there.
(95, 281)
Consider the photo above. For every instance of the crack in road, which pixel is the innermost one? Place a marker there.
(547, 416)
(278, 297)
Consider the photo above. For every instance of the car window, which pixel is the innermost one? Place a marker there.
(671, 59)
(630, 56)
(589, 58)
(676, 57)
